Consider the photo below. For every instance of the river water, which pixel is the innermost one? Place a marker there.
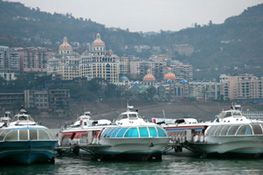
(171, 164)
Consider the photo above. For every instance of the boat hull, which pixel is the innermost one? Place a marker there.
(132, 148)
(27, 152)
(123, 149)
(248, 145)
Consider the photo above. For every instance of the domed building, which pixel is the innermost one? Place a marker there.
(149, 79)
(98, 63)
(65, 48)
(169, 76)
(98, 46)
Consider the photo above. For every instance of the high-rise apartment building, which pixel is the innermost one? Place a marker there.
(34, 59)
(9, 60)
(241, 87)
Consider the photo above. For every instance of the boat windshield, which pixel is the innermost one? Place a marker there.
(237, 113)
(131, 116)
(22, 118)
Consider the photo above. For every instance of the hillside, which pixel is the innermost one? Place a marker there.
(232, 47)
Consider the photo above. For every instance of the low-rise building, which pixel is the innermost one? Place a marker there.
(36, 99)
(9, 100)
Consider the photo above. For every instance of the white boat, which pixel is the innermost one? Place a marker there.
(130, 138)
(83, 133)
(5, 120)
(133, 138)
(23, 141)
(231, 133)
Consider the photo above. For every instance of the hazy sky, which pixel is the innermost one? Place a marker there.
(146, 15)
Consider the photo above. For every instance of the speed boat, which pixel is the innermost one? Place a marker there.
(231, 134)
(81, 135)
(129, 138)
(133, 139)
(23, 141)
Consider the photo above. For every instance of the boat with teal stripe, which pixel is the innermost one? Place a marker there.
(23, 141)
(129, 138)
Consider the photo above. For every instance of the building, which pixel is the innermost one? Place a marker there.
(149, 79)
(8, 76)
(36, 99)
(69, 68)
(124, 63)
(65, 63)
(242, 87)
(9, 60)
(204, 91)
(138, 68)
(9, 100)
(65, 48)
(34, 59)
(182, 72)
(99, 63)
(59, 100)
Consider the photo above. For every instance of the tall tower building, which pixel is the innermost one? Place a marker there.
(100, 64)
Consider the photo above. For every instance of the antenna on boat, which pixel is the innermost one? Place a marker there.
(163, 114)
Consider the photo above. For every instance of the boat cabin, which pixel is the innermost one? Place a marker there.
(22, 118)
(129, 117)
(25, 134)
(137, 132)
(235, 130)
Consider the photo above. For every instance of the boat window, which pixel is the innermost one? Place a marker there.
(228, 114)
(244, 130)
(153, 132)
(115, 131)
(13, 135)
(144, 132)
(161, 132)
(43, 135)
(257, 129)
(121, 132)
(23, 134)
(224, 130)
(83, 139)
(110, 132)
(237, 113)
(208, 131)
(22, 117)
(51, 135)
(33, 134)
(248, 130)
(213, 130)
(218, 131)
(123, 116)
(3, 134)
(133, 116)
(233, 130)
(106, 132)
(132, 132)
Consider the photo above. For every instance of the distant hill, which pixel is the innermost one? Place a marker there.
(232, 47)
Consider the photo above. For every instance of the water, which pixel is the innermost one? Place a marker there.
(170, 164)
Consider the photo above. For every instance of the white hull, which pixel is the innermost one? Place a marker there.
(133, 145)
(230, 144)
